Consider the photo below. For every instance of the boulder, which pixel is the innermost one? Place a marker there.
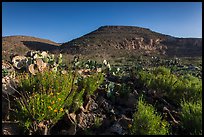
(19, 61)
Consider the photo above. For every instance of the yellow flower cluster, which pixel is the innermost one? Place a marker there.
(55, 110)
(49, 107)
(53, 102)
(61, 109)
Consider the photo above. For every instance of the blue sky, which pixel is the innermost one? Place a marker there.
(64, 21)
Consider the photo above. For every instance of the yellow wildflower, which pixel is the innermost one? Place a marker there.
(61, 109)
(55, 110)
(58, 93)
(51, 94)
(129, 125)
(53, 102)
(59, 99)
(49, 107)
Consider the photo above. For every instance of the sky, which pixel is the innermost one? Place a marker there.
(64, 21)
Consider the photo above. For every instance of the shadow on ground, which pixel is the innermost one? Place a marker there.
(34, 45)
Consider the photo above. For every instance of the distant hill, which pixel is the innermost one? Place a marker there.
(109, 41)
(21, 44)
(120, 40)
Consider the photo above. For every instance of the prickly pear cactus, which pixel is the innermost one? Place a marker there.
(37, 61)
(19, 62)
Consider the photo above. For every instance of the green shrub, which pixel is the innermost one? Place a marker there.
(146, 121)
(172, 86)
(46, 96)
(161, 70)
(191, 117)
(43, 98)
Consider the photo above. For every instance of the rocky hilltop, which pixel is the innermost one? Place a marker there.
(132, 39)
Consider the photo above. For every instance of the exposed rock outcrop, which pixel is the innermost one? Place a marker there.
(132, 39)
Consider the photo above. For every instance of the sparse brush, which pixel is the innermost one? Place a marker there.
(146, 121)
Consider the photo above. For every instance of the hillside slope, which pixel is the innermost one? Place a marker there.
(21, 44)
(119, 40)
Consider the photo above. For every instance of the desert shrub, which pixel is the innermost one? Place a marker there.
(161, 70)
(86, 87)
(188, 87)
(172, 86)
(191, 117)
(146, 121)
(45, 97)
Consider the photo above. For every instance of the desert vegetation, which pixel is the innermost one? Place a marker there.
(44, 94)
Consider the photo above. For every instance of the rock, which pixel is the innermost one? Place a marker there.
(103, 103)
(85, 120)
(124, 122)
(10, 129)
(70, 131)
(19, 61)
(91, 105)
(64, 127)
(72, 117)
(9, 68)
(8, 85)
(116, 128)
(129, 101)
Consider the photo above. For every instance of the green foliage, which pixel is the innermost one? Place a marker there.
(89, 64)
(191, 117)
(91, 83)
(172, 86)
(161, 70)
(44, 97)
(97, 122)
(4, 72)
(59, 59)
(146, 121)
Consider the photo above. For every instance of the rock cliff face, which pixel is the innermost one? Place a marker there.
(133, 39)
(184, 46)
